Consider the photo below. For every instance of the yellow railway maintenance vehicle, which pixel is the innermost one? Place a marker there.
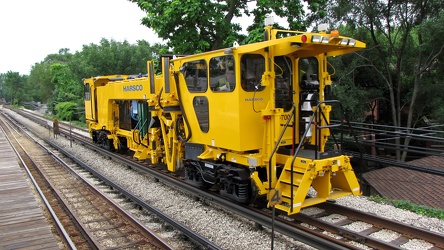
(251, 120)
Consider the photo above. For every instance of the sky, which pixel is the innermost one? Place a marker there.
(32, 29)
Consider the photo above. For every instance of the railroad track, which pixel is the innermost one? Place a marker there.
(81, 207)
(323, 231)
(347, 224)
(188, 239)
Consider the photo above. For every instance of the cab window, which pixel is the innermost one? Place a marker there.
(308, 74)
(87, 92)
(252, 69)
(195, 74)
(200, 104)
(222, 74)
(283, 82)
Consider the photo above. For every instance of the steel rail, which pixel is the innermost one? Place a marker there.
(40, 192)
(284, 228)
(411, 231)
(280, 225)
(190, 233)
(141, 229)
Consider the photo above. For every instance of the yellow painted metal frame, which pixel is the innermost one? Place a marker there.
(238, 134)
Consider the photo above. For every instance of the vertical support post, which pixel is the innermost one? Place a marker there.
(70, 134)
(166, 74)
(151, 76)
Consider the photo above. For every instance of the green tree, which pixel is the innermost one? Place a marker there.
(431, 78)
(14, 88)
(58, 78)
(354, 87)
(40, 77)
(40, 80)
(193, 26)
(402, 53)
(2, 87)
(68, 92)
(112, 57)
(355, 83)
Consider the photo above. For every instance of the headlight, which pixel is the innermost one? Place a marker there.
(320, 39)
(349, 42)
(352, 42)
(316, 39)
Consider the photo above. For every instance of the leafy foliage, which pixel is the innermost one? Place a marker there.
(111, 57)
(14, 88)
(410, 206)
(193, 26)
(57, 79)
(402, 53)
(66, 111)
(432, 108)
(402, 64)
(41, 81)
(402, 50)
(419, 209)
(67, 88)
(355, 84)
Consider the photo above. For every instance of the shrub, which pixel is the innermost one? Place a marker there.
(410, 206)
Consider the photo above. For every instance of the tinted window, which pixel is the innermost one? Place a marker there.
(87, 92)
(308, 74)
(200, 104)
(195, 74)
(222, 74)
(283, 82)
(252, 68)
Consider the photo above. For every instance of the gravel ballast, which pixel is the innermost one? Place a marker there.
(224, 229)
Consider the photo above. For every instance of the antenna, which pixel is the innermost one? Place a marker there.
(269, 21)
(322, 27)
